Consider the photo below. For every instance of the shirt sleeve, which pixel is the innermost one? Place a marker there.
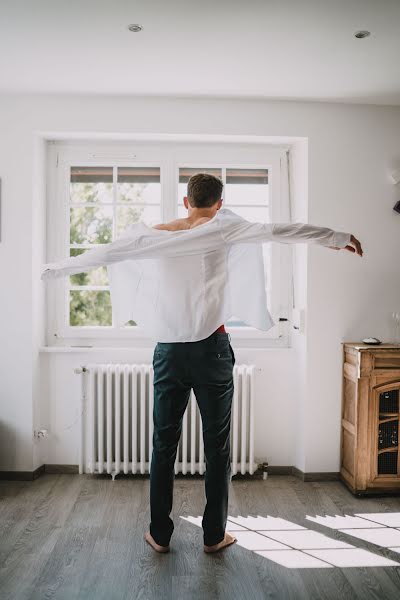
(287, 233)
(137, 244)
(91, 259)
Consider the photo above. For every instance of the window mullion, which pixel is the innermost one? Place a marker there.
(114, 204)
(170, 189)
(67, 281)
(114, 222)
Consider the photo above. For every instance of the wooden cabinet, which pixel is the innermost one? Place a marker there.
(370, 457)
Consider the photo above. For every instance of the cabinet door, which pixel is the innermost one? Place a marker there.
(387, 415)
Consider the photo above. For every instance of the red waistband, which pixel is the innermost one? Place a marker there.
(221, 328)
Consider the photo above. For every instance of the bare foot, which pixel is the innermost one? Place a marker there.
(227, 541)
(149, 539)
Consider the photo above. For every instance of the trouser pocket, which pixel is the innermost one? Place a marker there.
(233, 354)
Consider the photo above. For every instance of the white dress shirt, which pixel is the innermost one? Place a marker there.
(189, 282)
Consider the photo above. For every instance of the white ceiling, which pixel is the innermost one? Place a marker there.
(286, 49)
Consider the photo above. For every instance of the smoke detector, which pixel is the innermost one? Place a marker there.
(135, 27)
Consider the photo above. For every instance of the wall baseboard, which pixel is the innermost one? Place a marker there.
(61, 469)
(21, 475)
(279, 470)
(73, 470)
(315, 476)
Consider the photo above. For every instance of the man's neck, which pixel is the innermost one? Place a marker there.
(197, 216)
(198, 213)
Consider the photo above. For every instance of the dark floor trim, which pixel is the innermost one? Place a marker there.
(21, 475)
(61, 469)
(311, 476)
(279, 470)
(315, 476)
(258, 474)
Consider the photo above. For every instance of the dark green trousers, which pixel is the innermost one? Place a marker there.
(207, 367)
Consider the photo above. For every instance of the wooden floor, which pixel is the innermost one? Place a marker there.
(71, 536)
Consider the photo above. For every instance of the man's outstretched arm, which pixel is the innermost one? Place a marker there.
(291, 233)
(91, 259)
(137, 244)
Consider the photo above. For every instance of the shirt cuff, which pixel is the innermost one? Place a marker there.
(341, 239)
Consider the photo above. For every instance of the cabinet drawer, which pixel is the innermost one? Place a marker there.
(387, 362)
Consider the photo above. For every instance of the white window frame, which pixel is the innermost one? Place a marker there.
(170, 156)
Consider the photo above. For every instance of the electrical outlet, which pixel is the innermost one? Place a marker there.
(40, 434)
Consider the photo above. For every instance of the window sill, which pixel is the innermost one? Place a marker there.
(81, 348)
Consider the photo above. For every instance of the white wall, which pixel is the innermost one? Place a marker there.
(347, 297)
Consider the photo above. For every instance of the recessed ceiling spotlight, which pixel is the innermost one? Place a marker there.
(362, 34)
(135, 27)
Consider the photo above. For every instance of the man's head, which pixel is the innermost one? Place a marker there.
(204, 191)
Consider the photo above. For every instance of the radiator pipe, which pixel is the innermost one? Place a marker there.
(83, 371)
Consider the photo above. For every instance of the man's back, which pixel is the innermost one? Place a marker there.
(184, 223)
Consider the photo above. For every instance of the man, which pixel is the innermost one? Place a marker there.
(182, 280)
(207, 366)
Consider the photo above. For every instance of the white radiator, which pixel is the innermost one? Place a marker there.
(117, 422)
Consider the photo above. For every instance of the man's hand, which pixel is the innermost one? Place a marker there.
(356, 248)
(44, 274)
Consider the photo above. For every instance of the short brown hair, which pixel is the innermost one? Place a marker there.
(204, 190)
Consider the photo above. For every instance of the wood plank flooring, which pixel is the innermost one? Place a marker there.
(81, 537)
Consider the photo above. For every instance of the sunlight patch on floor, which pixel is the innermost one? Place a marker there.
(387, 518)
(296, 547)
(294, 559)
(254, 540)
(353, 557)
(380, 529)
(342, 522)
(303, 540)
(264, 523)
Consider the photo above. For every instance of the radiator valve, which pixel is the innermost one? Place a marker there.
(264, 468)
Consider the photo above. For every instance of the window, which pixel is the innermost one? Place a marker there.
(103, 201)
(97, 192)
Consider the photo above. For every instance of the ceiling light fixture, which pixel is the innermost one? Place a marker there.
(135, 27)
(362, 34)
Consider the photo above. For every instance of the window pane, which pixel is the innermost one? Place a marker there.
(235, 321)
(90, 308)
(91, 225)
(252, 213)
(247, 176)
(127, 215)
(139, 185)
(97, 276)
(266, 249)
(246, 186)
(91, 184)
(185, 174)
